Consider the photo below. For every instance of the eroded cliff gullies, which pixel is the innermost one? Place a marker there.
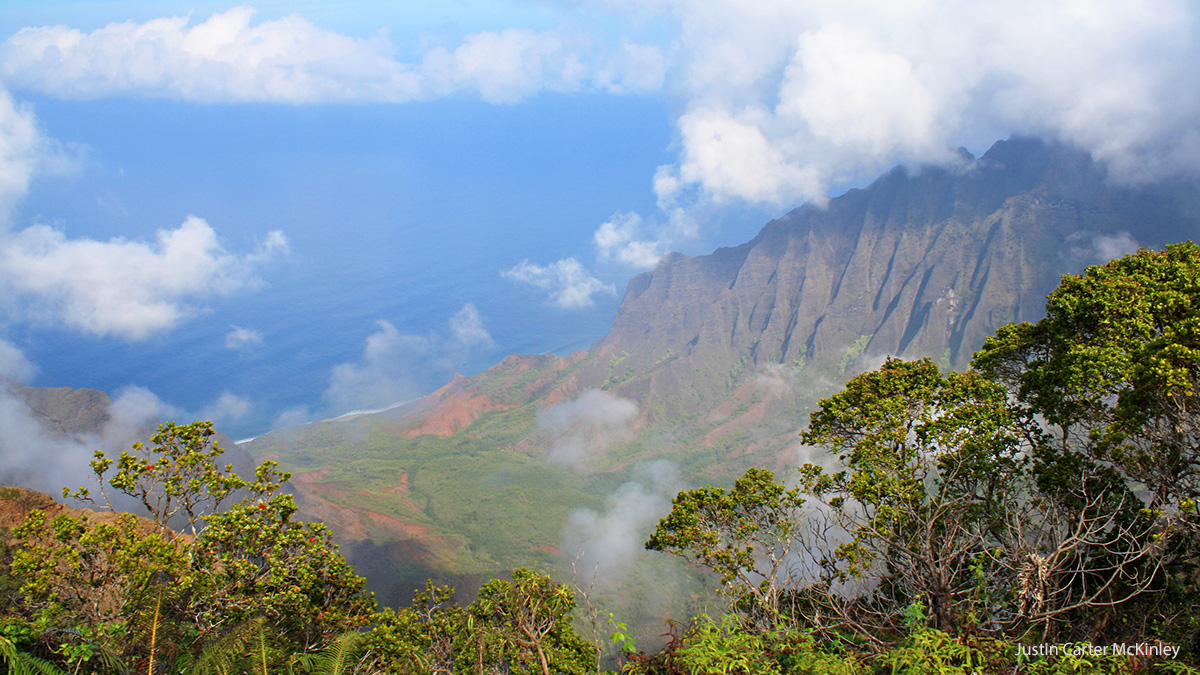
(920, 263)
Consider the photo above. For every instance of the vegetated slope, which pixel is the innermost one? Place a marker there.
(724, 354)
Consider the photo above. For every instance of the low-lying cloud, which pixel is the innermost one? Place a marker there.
(229, 408)
(396, 367)
(127, 289)
(38, 457)
(584, 428)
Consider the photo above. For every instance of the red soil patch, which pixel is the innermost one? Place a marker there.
(552, 550)
(456, 411)
(401, 487)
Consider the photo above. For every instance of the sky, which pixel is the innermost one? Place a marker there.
(272, 213)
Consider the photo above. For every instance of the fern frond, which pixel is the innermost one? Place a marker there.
(221, 656)
(339, 658)
(20, 663)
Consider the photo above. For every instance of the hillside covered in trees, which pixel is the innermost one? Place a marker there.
(966, 522)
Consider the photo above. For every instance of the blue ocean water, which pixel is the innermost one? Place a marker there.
(394, 213)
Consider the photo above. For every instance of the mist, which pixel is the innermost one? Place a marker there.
(584, 428)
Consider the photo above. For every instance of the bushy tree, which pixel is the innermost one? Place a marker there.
(111, 582)
(176, 478)
(1113, 371)
(253, 560)
(954, 498)
(522, 625)
(746, 534)
(1115, 366)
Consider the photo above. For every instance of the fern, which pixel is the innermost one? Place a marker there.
(341, 656)
(20, 663)
(222, 656)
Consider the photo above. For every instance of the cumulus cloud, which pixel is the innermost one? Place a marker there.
(24, 152)
(779, 99)
(467, 331)
(620, 238)
(568, 283)
(633, 68)
(123, 288)
(239, 338)
(587, 426)
(396, 367)
(228, 58)
(21, 150)
(503, 67)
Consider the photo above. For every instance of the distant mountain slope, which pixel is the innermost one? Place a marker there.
(924, 263)
(715, 361)
(63, 410)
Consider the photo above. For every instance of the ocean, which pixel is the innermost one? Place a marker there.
(401, 214)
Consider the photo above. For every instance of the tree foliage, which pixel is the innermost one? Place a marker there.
(140, 590)
(744, 534)
(1114, 368)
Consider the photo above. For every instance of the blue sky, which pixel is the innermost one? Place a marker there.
(274, 212)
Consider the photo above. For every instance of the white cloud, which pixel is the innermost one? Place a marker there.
(567, 281)
(290, 60)
(396, 367)
(226, 409)
(242, 338)
(292, 417)
(467, 331)
(586, 427)
(633, 68)
(13, 363)
(609, 543)
(124, 288)
(1109, 247)
(222, 59)
(1095, 249)
(503, 67)
(784, 98)
(24, 152)
(21, 148)
(619, 238)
